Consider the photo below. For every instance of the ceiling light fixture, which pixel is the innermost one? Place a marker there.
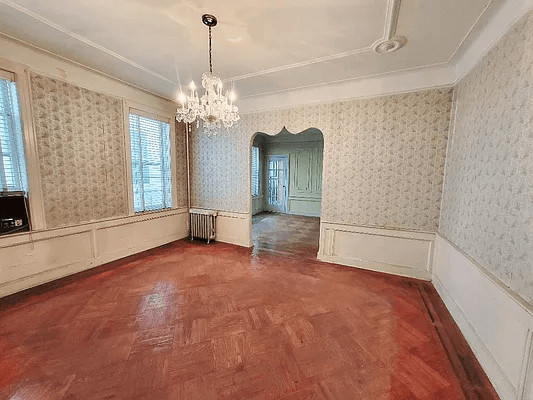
(213, 108)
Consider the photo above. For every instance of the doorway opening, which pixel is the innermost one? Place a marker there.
(286, 191)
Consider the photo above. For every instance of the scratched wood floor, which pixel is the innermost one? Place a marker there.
(197, 321)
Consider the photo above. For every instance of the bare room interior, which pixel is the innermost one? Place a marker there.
(277, 200)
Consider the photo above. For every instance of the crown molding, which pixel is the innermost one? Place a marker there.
(483, 35)
(86, 41)
(391, 22)
(409, 80)
(491, 31)
(47, 63)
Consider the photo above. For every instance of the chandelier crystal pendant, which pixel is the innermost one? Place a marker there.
(213, 108)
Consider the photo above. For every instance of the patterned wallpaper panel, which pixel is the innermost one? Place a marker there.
(220, 171)
(488, 194)
(80, 139)
(383, 158)
(181, 165)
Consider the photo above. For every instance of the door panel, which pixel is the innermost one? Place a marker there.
(302, 171)
(277, 177)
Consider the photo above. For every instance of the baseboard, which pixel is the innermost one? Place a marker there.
(377, 266)
(27, 261)
(297, 213)
(497, 325)
(234, 228)
(404, 253)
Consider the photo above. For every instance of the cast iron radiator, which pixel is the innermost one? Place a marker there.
(202, 223)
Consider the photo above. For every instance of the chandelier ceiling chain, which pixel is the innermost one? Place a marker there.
(214, 109)
(210, 54)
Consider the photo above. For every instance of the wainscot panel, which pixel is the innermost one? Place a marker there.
(305, 206)
(234, 228)
(402, 253)
(497, 324)
(30, 260)
(257, 204)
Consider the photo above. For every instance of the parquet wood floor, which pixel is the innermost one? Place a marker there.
(195, 321)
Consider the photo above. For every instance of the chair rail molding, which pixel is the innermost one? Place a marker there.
(497, 324)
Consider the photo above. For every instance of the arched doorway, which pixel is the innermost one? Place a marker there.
(286, 189)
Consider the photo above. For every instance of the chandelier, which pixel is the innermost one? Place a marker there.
(213, 108)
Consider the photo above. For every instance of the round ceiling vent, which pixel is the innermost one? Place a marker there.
(388, 46)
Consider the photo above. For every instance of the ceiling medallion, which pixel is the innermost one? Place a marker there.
(214, 109)
(389, 45)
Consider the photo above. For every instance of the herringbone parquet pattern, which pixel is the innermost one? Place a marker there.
(197, 321)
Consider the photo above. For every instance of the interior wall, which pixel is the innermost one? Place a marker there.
(484, 249)
(383, 159)
(487, 208)
(76, 120)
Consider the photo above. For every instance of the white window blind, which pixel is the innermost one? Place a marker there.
(13, 175)
(150, 162)
(255, 171)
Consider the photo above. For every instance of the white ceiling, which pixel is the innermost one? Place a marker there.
(258, 46)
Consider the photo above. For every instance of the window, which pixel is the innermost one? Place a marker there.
(13, 175)
(150, 163)
(255, 171)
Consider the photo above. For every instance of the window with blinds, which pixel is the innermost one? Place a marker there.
(13, 175)
(255, 171)
(150, 162)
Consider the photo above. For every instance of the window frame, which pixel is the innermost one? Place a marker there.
(161, 115)
(259, 186)
(35, 195)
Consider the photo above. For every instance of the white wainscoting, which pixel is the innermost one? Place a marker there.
(497, 324)
(257, 204)
(402, 253)
(51, 254)
(234, 228)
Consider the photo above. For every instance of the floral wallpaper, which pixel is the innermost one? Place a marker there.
(487, 206)
(220, 171)
(80, 140)
(181, 165)
(383, 158)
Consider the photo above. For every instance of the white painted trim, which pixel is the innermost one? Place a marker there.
(43, 62)
(25, 237)
(173, 161)
(465, 59)
(377, 249)
(299, 64)
(27, 261)
(35, 195)
(401, 81)
(84, 40)
(470, 30)
(145, 110)
(377, 267)
(391, 21)
(496, 323)
(234, 228)
(410, 80)
(156, 113)
(127, 157)
(401, 233)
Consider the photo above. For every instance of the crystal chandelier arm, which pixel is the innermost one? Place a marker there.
(213, 107)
